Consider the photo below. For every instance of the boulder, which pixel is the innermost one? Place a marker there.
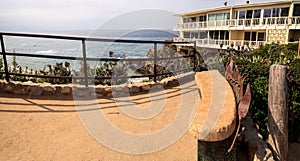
(66, 90)
(35, 90)
(48, 90)
(146, 87)
(134, 89)
(8, 87)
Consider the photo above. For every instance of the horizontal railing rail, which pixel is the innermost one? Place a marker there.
(239, 22)
(84, 58)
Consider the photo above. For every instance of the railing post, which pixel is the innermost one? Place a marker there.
(84, 63)
(4, 59)
(195, 45)
(155, 61)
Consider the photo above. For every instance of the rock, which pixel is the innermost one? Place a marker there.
(66, 90)
(18, 88)
(2, 84)
(25, 89)
(146, 87)
(134, 89)
(82, 91)
(35, 90)
(173, 83)
(100, 89)
(108, 91)
(58, 89)
(8, 87)
(99, 95)
(48, 90)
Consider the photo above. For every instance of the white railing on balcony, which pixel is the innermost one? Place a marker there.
(225, 43)
(277, 21)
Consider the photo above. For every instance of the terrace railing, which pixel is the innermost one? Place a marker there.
(262, 22)
(84, 57)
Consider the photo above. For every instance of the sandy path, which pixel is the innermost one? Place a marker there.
(50, 129)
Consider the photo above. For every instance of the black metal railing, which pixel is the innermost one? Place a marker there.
(84, 57)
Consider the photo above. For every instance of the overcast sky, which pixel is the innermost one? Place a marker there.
(51, 15)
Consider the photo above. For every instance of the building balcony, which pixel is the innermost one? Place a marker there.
(224, 43)
(239, 24)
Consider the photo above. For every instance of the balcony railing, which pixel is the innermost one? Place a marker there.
(277, 21)
(225, 43)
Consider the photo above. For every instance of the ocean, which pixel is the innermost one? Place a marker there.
(74, 48)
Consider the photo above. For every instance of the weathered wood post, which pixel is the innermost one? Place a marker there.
(278, 112)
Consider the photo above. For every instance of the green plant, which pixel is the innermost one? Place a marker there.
(255, 66)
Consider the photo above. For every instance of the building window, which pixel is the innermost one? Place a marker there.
(202, 18)
(267, 12)
(219, 35)
(242, 17)
(256, 16)
(296, 10)
(275, 12)
(261, 36)
(194, 35)
(186, 35)
(236, 14)
(203, 35)
(247, 36)
(253, 36)
(257, 13)
(186, 20)
(242, 14)
(193, 19)
(284, 12)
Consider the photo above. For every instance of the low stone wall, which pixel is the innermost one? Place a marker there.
(46, 89)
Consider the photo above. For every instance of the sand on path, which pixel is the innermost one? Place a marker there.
(49, 128)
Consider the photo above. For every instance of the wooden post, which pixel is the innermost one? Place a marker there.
(278, 112)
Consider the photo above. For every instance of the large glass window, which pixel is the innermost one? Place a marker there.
(203, 35)
(226, 35)
(236, 13)
(211, 17)
(219, 18)
(296, 10)
(267, 12)
(247, 36)
(186, 34)
(249, 14)
(242, 14)
(202, 18)
(284, 12)
(186, 20)
(193, 19)
(257, 13)
(194, 35)
(253, 36)
(256, 16)
(275, 12)
(261, 36)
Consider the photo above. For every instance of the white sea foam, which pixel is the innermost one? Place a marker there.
(46, 52)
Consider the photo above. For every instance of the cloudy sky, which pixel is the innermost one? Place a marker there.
(51, 15)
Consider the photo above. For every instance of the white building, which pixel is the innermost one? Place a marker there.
(242, 25)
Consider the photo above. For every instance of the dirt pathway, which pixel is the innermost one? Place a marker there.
(50, 129)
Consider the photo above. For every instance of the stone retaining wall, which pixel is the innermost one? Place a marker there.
(38, 89)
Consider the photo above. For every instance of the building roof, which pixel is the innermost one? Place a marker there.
(240, 6)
